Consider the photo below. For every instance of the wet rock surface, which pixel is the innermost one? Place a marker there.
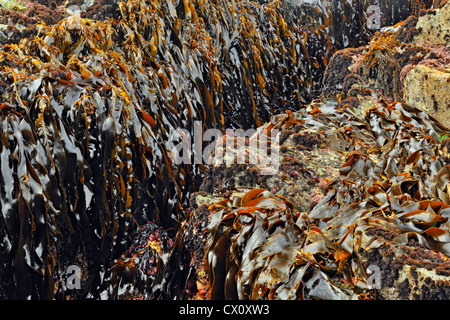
(408, 272)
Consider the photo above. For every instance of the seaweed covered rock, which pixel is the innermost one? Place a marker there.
(87, 146)
(381, 231)
(374, 225)
(405, 62)
(19, 20)
(384, 188)
(87, 112)
(87, 109)
(303, 164)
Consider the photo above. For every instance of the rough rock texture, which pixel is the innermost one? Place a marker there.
(306, 166)
(434, 27)
(410, 271)
(340, 67)
(408, 62)
(429, 88)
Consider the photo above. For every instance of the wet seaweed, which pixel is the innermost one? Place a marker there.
(87, 118)
(87, 108)
(394, 179)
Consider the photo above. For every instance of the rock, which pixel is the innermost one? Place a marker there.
(408, 272)
(9, 4)
(428, 89)
(306, 165)
(339, 68)
(409, 62)
(434, 27)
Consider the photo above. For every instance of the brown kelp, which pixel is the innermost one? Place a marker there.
(87, 148)
(87, 112)
(395, 180)
(87, 109)
(133, 273)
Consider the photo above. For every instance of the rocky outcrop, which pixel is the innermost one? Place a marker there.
(380, 229)
(427, 84)
(434, 26)
(408, 62)
(408, 271)
(380, 226)
(429, 87)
